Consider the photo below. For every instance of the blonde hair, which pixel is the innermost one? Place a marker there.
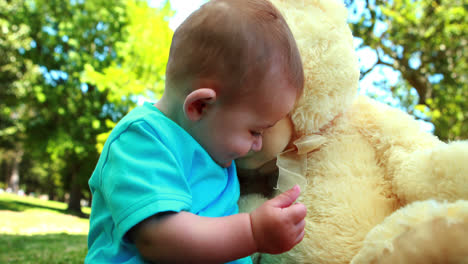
(235, 43)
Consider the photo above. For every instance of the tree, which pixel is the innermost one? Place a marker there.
(65, 115)
(61, 58)
(17, 74)
(139, 70)
(426, 42)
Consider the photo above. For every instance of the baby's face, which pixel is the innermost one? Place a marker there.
(233, 131)
(275, 140)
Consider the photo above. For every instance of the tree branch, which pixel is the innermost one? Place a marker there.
(378, 62)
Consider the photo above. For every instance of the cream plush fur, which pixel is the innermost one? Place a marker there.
(377, 183)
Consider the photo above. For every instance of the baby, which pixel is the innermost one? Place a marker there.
(165, 188)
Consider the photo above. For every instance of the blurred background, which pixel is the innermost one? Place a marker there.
(70, 69)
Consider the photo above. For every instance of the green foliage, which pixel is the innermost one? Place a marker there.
(69, 71)
(17, 75)
(142, 53)
(142, 56)
(426, 41)
(66, 36)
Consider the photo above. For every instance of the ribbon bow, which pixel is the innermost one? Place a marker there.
(292, 163)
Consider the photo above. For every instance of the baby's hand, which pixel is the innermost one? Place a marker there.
(278, 224)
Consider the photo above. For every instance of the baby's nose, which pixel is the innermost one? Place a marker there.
(257, 144)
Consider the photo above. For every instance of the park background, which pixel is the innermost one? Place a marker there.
(70, 69)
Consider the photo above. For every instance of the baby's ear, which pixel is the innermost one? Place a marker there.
(197, 102)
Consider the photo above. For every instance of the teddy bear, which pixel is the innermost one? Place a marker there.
(377, 187)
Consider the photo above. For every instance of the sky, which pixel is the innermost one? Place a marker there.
(183, 9)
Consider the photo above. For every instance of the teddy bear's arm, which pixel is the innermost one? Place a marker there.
(440, 172)
(418, 165)
(422, 232)
(435, 241)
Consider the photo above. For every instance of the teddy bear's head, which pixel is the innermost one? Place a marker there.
(331, 73)
(330, 64)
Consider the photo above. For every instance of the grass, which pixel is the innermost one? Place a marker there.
(38, 231)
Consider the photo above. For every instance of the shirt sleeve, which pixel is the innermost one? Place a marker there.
(246, 260)
(142, 177)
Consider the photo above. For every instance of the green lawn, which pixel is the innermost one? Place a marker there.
(37, 231)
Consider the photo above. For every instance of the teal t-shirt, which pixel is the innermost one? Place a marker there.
(149, 165)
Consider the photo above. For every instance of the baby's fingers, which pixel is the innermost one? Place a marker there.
(300, 226)
(299, 237)
(297, 212)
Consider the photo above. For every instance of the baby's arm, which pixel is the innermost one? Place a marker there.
(274, 227)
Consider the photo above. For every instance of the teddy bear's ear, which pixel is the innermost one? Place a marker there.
(330, 63)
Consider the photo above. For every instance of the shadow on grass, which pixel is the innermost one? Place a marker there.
(41, 249)
(19, 206)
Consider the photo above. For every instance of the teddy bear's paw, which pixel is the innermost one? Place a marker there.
(424, 232)
(436, 241)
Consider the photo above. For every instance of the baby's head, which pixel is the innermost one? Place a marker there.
(235, 69)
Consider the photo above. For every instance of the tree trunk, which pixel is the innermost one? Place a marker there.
(14, 180)
(74, 204)
(51, 188)
(4, 173)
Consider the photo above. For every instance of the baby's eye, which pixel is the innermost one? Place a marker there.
(256, 133)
